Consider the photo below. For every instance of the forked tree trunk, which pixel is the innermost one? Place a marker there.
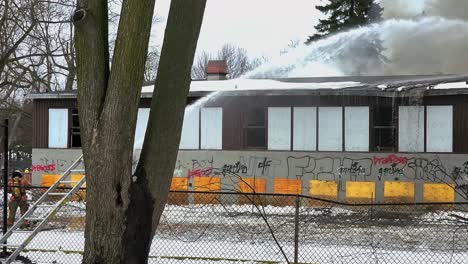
(122, 209)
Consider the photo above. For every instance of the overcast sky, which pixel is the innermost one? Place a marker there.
(263, 27)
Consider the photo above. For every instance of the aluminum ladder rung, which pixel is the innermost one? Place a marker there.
(27, 216)
(10, 245)
(46, 205)
(57, 194)
(69, 181)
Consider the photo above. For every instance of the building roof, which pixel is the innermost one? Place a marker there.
(362, 85)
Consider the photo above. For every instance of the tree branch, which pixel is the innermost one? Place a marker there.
(128, 63)
(169, 97)
(92, 47)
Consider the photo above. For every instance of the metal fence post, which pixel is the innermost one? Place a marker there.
(5, 181)
(296, 230)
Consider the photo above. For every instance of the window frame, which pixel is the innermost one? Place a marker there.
(246, 126)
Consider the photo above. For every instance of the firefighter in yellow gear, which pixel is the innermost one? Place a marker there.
(17, 187)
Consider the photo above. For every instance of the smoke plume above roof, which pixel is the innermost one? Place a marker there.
(419, 37)
(451, 9)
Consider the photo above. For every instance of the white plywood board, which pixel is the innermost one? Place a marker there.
(141, 125)
(211, 128)
(279, 128)
(411, 129)
(330, 129)
(58, 128)
(357, 128)
(305, 128)
(190, 129)
(439, 129)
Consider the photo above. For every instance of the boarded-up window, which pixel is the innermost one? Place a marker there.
(398, 192)
(305, 128)
(58, 128)
(206, 184)
(439, 129)
(330, 129)
(179, 184)
(48, 180)
(323, 189)
(411, 129)
(438, 193)
(190, 130)
(211, 128)
(357, 128)
(279, 128)
(287, 186)
(140, 131)
(252, 185)
(360, 192)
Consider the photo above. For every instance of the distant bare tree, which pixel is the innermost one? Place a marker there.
(236, 58)
(36, 55)
(33, 44)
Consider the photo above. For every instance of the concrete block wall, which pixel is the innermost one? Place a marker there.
(343, 176)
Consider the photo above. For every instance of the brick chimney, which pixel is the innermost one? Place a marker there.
(216, 70)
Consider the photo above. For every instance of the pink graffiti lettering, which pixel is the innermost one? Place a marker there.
(48, 167)
(390, 159)
(199, 172)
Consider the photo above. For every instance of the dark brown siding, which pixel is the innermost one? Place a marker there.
(460, 128)
(232, 127)
(235, 108)
(41, 121)
(233, 112)
(41, 118)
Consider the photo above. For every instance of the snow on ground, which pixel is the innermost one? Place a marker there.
(232, 234)
(174, 250)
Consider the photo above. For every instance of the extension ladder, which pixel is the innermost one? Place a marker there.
(50, 211)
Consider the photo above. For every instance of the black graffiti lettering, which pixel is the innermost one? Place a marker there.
(234, 169)
(456, 173)
(328, 168)
(265, 164)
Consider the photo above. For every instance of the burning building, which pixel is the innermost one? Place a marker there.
(354, 139)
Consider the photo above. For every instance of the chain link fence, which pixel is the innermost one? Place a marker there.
(219, 227)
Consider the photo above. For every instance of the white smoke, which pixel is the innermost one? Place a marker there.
(422, 45)
(403, 8)
(452, 9)
(426, 46)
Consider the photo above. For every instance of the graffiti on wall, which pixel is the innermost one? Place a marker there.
(328, 168)
(48, 167)
(51, 165)
(338, 167)
(254, 166)
(389, 167)
(390, 159)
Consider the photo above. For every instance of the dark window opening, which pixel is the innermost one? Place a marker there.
(75, 136)
(384, 129)
(255, 128)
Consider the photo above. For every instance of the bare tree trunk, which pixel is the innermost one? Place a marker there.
(120, 206)
(158, 156)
